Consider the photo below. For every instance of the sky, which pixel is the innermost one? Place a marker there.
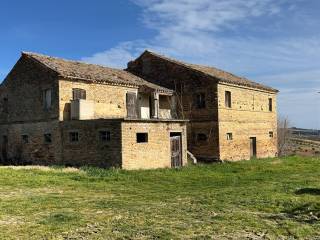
(274, 42)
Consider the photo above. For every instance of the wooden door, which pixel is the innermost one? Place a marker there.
(131, 105)
(253, 147)
(176, 153)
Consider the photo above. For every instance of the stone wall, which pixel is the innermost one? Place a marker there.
(156, 153)
(109, 101)
(249, 116)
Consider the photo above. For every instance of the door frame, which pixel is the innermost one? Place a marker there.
(179, 163)
(253, 147)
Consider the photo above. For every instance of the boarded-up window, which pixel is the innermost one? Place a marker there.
(47, 98)
(228, 99)
(78, 93)
(270, 104)
(200, 100)
(142, 137)
(104, 136)
(131, 100)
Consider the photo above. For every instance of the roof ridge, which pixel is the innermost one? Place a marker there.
(69, 60)
(195, 66)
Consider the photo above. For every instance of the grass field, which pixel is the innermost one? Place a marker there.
(260, 199)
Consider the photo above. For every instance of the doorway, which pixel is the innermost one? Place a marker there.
(4, 149)
(176, 150)
(253, 147)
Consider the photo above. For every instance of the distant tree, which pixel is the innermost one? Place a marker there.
(283, 135)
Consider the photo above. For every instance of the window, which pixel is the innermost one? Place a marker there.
(271, 134)
(142, 137)
(229, 136)
(74, 136)
(201, 137)
(47, 138)
(104, 136)
(47, 98)
(270, 104)
(200, 100)
(78, 93)
(25, 138)
(228, 99)
(5, 105)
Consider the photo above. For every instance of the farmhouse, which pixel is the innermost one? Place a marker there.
(59, 112)
(231, 118)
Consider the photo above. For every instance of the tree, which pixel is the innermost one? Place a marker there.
(283, 135)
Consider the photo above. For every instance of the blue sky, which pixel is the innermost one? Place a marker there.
(275, 42)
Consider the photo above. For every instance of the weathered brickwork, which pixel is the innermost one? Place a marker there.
(90, 149)
(109, 101)
(34, 149)
(146, 155)
(249, 115)
(23, 88)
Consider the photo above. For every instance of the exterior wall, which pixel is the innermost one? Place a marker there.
(248, 116)
(187, 84)
(89, 150)
(24, 87)
(156, 153)
(36, 151)
(109, 101)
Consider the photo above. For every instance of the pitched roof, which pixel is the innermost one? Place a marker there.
(218, 74)
(92, 73)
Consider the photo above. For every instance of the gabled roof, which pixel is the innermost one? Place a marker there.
(216, 73)
(92, 73)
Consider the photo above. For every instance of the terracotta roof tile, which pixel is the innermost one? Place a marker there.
(218, 74)
(92, 73)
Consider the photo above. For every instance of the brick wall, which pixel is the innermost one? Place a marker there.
(90, 149)
(156, 152)
(36, 150)
(109, 101)
(24, 87)
(249, 116)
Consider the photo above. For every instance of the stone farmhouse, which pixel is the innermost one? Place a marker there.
(59, 112)
(231, 118)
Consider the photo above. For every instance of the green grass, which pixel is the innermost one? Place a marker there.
(259, 199)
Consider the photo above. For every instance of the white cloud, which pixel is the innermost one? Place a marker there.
(218, 33)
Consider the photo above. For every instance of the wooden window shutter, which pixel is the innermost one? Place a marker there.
(131, 100)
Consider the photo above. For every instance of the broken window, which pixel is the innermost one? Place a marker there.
(47, 138)
(74, 136)
(47, 98)
(104, 136)
(78, 93)
(142, 137)
(228, 99)
(200, 100)
(270, 104)
(229, 136)
(271, 134)
(201, 137)
(25, 138)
